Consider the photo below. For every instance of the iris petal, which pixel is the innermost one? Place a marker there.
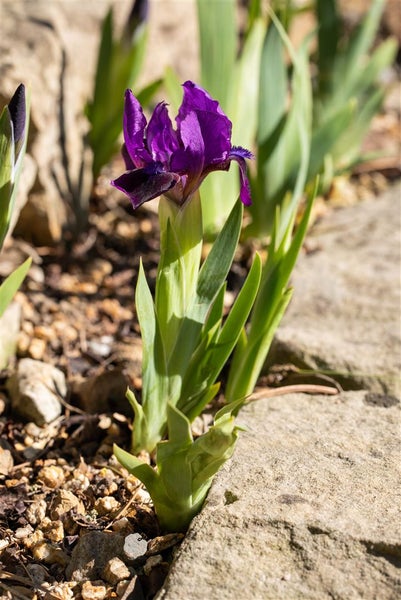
(214, 125)
(142, 185)
(134, 131)
(190, 159)
(239, 155)
(161, 138)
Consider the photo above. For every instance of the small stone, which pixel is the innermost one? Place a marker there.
(36, 511)
(4, 544)
(63, 502)
(93, 590)
(49, 554)
(35, 538)
(37, 348)
(121, 587)
(52, 530)
(37, 573)
(162, 542)
(23, 532)
(43, 332)
(6, 461)
(80, 482)
(135, 546)
(152, 561)
(122, 525)
(52, 476)
(61, 591)
(3, 403)
(115, 570)
(107, 505)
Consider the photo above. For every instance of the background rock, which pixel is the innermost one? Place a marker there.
(52, 48)
(308, 507)
(344, 318)
(35, 390)
(39, 45)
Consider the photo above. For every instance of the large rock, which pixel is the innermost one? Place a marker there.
(308, 508)
(52, 48)
(344, 318)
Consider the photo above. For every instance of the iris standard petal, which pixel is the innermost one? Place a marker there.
(239, 155)
(134, 131)
(189, 160)
(161, 138)
(145, 184)
(214, 125)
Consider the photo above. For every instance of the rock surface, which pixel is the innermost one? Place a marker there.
(307, 508)
(52, 48)
(35, 390)
(344, 318)
(38, 42)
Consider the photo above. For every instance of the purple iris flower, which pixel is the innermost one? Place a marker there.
(174, 162)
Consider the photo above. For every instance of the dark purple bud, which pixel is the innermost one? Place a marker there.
(17, 110)
(137, 17)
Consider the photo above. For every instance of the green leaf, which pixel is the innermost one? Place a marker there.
(210, 451)
(208, 361)
(353, 58)
(6, 171)
(141, 470)
(247, 365)
(211, 278)
(273, 84)
(216, 266)
(242, 105)
(154, 377)
(280, 164)
(146, 94)
(327, 134)
(174, 89)
(218, 45)
(172, 464)
(11, 284)
(328, 36)
(240, 310)
(102, 80)
(119, 64)
(220, 190)
(270, 305)
(180, 254)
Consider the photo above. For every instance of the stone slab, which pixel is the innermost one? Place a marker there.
(345, 315)
(308, 507)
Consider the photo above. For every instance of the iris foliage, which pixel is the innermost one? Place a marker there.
(302, 128)
(187, 338)
(13, 137)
